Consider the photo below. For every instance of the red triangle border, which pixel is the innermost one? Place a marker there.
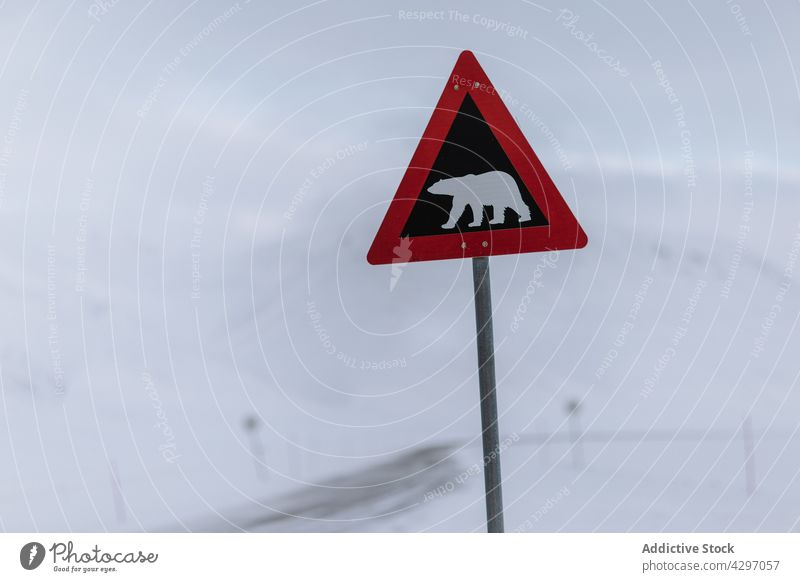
(562, 231)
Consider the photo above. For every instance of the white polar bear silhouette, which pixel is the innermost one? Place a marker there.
(496, 189)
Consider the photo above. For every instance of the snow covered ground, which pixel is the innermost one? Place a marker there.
(186, 202)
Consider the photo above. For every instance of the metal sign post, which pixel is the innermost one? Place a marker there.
(489, 422)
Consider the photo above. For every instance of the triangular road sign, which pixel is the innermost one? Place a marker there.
(474, 186)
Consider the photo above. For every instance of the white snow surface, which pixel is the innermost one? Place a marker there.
(182, 247)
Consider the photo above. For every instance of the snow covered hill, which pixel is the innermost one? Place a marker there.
(192, 338)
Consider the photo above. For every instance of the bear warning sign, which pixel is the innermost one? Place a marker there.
(474, 186)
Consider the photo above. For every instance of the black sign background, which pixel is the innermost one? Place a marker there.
(470, 148)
